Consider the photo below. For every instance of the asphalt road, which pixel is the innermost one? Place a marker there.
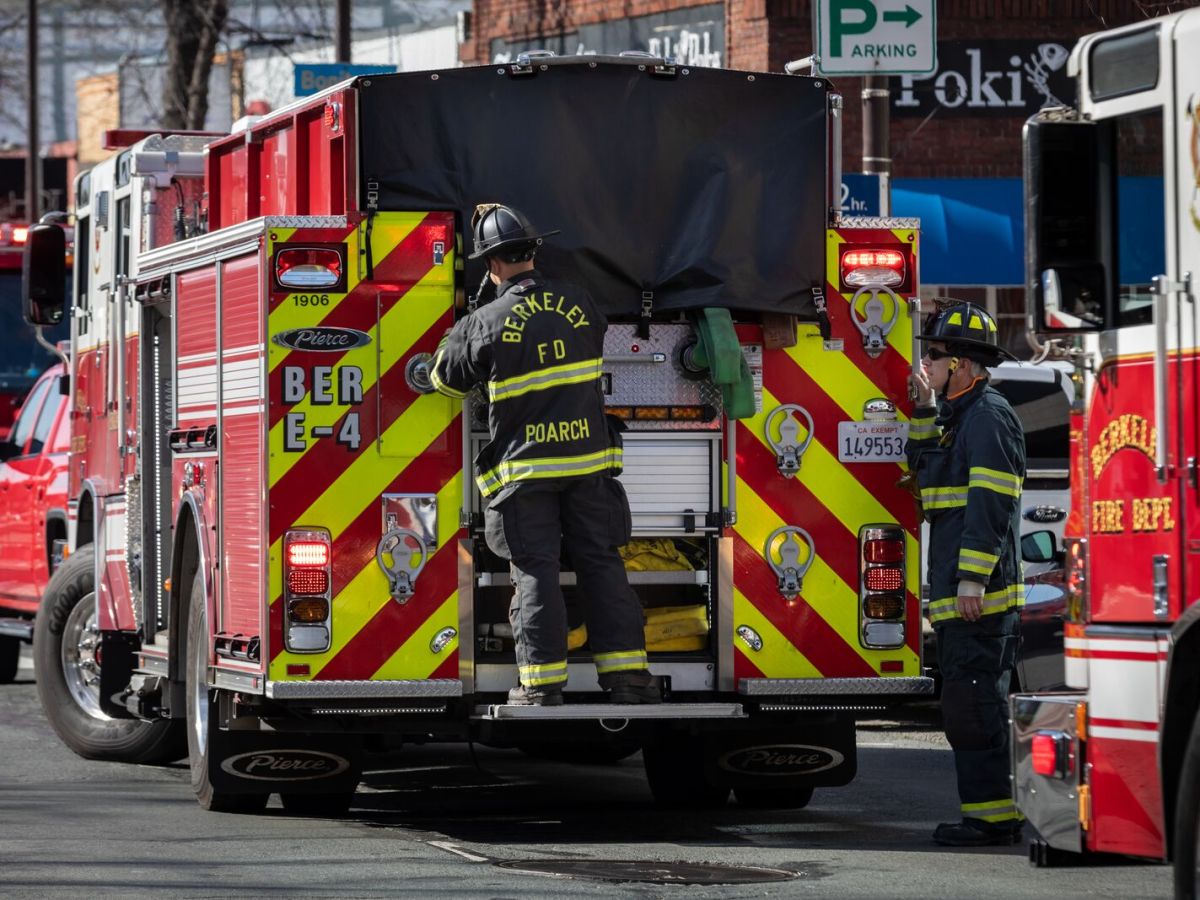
(428, 822)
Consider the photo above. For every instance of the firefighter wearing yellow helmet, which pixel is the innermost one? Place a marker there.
(549, 471)
(967, 449)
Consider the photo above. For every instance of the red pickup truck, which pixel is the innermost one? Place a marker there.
(33, 518)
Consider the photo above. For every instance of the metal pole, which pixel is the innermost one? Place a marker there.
(877, 153)
(33, 167)
(342, 35)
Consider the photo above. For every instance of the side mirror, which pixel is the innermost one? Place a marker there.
(1070, 211)
(1039, 547)
(1072, 298)
(44, 275)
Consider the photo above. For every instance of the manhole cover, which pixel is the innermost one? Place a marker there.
(650, 871)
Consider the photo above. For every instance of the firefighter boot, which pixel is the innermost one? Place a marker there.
(543, 695)
(631, 687)
(975, 833)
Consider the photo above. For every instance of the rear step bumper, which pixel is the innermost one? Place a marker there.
(836, 687)
(364, 690)
(611, 711)
(22, 629)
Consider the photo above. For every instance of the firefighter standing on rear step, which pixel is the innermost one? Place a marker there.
(549, 471)
(967, 450)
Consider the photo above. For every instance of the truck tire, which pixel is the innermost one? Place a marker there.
(675, 772)
(10, 658)
(65, 640)
(202, 714)
(773, 798)
(1187, 822)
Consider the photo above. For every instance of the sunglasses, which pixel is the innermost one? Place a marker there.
(935, 354)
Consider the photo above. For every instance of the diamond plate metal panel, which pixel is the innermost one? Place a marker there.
(353, 690)
(776, 687)
(305, 221)
(877, 222)
(646, 372)
(614, 711)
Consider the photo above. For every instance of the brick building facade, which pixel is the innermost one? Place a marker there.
(762, 35)
(955, 136)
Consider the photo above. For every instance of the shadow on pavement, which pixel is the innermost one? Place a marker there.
(514, 801)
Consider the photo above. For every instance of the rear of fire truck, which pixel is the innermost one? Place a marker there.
(296, 561)
(1113, 765)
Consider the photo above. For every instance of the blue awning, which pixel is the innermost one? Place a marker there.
(973, 229)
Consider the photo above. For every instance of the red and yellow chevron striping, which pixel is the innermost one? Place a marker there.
(817, 634)
(331, 463)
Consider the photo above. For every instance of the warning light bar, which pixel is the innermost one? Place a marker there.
(891, 259)
(13, 234)
(308, 267)
(884, 266)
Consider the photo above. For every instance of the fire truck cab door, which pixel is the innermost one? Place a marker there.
(1187, 219)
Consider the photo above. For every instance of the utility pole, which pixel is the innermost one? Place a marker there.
(342, 34)
(33, 160)
(877, 152)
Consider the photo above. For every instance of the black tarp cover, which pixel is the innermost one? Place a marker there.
(706, 188)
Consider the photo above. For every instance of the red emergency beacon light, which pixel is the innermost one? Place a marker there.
(886, 266)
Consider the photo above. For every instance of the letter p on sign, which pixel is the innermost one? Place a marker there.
(849, 17)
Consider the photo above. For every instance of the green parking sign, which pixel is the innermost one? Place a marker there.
(876, 37)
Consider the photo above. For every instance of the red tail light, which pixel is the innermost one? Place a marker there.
(307, 581)
(307, 577)
(1050, 754)
(883, 551)
(883, 578)
(305, 554)
(881, 591)
(873, 265)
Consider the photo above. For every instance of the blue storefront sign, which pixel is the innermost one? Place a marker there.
(860, 194)
(312, 78)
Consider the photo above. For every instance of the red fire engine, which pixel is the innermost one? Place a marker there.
(1113, 766)
(276, 534)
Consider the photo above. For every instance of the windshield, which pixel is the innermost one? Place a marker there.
(21, 359)
(1044, 411)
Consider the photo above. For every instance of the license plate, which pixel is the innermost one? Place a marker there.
(872, 441)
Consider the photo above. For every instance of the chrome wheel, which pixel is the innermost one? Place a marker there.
(198, 696)
(81, 657)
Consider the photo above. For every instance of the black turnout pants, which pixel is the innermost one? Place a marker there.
(976, 661)
(529, 527)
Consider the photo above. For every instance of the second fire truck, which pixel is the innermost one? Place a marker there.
(1113, 196)
(276, 546)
